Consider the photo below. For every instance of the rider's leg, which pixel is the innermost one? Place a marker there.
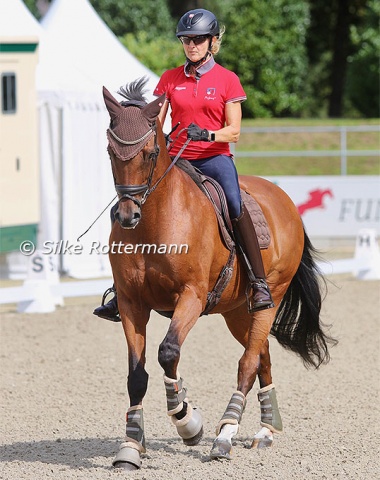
(223, 170)
(246, 237)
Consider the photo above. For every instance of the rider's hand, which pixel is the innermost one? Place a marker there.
(197, 134)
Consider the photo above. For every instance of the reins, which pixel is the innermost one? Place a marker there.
(173, 162)
(97, 218)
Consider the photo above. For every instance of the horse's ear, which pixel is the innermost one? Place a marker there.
(151, 110)
(113, 106)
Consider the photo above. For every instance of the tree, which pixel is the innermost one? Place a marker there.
(267, 50)
(363, 72)
(37, 7)
(330, 46)
(134, 16)
(177, 9)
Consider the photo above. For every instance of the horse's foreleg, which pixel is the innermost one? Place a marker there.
(270, 415)
(187, 419)
(128, 456)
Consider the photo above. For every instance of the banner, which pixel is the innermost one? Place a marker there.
(334, 206)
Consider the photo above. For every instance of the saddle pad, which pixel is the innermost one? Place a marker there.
(218, 200)
(220, 206)
(258, 219)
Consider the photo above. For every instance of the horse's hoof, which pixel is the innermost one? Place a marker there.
(263, 442)
(221, 449)
(127, 467)
(190, 442)
(263, 439)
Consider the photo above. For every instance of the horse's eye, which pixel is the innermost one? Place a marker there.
(151, 155)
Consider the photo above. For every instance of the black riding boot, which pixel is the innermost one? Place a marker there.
(246, 238)
(109, 311)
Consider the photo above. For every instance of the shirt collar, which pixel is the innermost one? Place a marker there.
(202, 69)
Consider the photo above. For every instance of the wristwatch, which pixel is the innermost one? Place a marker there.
(211, 137)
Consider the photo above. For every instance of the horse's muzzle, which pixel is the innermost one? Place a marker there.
(128, 214)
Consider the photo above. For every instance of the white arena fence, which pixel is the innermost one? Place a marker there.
(343, 152)
(42, 291)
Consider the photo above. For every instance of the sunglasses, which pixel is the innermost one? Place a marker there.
(197, 40)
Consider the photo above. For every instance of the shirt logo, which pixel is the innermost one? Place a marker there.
(180, 88)
(211, 91)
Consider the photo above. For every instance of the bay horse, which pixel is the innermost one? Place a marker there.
(160, 205)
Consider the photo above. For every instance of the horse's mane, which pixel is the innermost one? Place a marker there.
(134, 92)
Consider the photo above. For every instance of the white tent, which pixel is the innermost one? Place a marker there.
(79, 55)
(84, 39)
(16, 20)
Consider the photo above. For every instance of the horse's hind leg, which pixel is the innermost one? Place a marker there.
(270, 415)
(252, 332)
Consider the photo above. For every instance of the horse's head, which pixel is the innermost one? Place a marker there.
(133, 149)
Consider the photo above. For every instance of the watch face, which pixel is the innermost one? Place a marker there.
(213, 137)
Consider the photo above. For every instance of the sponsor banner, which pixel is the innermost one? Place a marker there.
(335, 206)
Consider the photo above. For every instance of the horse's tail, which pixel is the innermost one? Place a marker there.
(297, 325)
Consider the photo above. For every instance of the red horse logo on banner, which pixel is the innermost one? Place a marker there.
(315, 200)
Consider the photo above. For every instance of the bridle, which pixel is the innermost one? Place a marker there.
(129, 192)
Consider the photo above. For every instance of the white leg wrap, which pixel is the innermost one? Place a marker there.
(228, 431)
(263, 439)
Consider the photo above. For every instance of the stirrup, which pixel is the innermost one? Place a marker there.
(250, 296)
(107, 292)
(108, 311)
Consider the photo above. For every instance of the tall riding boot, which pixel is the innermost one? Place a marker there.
(110, 310)
(246, 238)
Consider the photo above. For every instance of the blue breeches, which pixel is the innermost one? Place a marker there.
(222, 169)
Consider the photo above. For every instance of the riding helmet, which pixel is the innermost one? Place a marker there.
(198, 22)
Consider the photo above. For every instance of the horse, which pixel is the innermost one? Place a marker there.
(159, 205)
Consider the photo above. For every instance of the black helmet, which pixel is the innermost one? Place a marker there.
(198, 22)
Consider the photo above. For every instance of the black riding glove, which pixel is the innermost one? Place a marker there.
(197, 134)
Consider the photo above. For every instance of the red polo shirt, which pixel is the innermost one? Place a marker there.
(201, 100)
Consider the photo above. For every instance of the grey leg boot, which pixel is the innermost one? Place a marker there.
(258, 294)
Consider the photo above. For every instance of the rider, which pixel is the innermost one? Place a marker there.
(203, 91)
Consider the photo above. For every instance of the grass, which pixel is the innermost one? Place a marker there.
(267, 166)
